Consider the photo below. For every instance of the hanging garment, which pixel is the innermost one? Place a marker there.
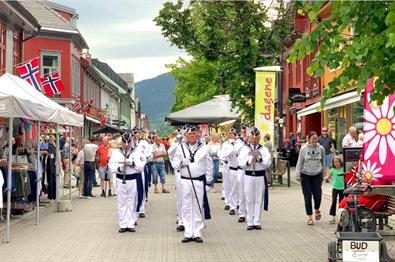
(1, 186)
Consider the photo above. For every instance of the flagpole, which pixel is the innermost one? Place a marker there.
(26, 61)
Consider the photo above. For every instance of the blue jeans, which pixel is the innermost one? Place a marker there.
(89, 171)
(215, 171)
(158, 169)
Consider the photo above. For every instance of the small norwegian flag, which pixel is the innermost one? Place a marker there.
(77, 105)
(30, 72)
(87, 107)
(52, 84)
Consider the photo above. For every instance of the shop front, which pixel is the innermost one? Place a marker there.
(339, 114)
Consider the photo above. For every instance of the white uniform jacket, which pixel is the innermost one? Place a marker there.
(245, 158)
(197, 158)
(135, 161)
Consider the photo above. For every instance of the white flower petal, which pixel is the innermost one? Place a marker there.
(393, 133)
(377, 176)
(370, 117)
(372, 147)
(384, 107)
(376, 170)
(369, 165)
(373, 166)
(369, 135)
(368, 126)
(376, 111)
(383, 150)
(391, 144)
(391, 111)
(364, 169)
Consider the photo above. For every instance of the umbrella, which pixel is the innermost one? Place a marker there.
(108, 129)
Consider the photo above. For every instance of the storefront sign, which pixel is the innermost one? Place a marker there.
(265, 83)
(354, 250)
(298, 98)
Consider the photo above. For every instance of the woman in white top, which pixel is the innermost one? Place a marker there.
(213, 148)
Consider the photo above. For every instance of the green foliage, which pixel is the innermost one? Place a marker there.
(227, 40)
(359, 37)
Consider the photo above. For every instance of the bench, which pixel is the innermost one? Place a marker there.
(387, 211)
(282, 167)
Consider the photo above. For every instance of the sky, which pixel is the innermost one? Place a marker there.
(122, 34)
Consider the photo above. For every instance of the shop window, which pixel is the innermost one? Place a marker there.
(50, 63)
(3, 37)
(76, 73)
(357, 114)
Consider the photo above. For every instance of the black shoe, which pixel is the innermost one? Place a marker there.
(103, 194)
(186, 240)
(238, 207)
(250, 227)
(92, 196)
(135, 223)
(241, 220)
(109, 193)
(180, 228)
(96, 185)
(141, 215)
(232, 212)
(222, 198)
(198, 240)
(227, 207)
(258, 227)
(131, 230)
(122, 230)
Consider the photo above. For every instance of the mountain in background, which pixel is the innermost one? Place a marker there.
(156, 98)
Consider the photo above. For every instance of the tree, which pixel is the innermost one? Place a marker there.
(359, 38)
(228, 38)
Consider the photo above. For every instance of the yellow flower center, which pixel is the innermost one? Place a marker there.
(384, 126)
(368, 176)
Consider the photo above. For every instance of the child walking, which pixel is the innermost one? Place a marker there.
(337, 175)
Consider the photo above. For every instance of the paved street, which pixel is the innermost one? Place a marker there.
(89, 233)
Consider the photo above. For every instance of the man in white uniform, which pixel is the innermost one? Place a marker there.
(196, 168)
(228, 152)
(172, 153)
(225, 175)
(239, 144)
(255, 159)
(128, 163)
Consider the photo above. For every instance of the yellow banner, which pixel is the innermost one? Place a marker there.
(265, 84)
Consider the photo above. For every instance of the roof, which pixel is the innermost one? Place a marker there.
(108, 71)
(60, 7)
(26, 14)
(109, 81)
(48, 18)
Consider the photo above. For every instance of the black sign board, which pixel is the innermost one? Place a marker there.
(298, 98)
(351, 155)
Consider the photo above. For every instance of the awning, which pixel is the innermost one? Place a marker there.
(333, 102)
(92, 119)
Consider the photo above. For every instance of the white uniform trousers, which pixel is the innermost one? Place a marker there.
(225, 183)
(179, 197)
(127, 202)
(253, 188)
(191, 216)
(233, 197)
(142, 208)
(242, 196)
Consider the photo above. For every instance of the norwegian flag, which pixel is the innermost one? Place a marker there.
(87, 107)
(52, 84)
(30, 72)
(77, 105)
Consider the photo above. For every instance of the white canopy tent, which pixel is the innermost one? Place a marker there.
(214, 111)
(18, 99)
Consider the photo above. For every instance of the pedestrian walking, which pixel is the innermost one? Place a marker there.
(255, 159)
(309, 171)
(79, 171)
(89, 167)
(336, 173)
(196, 167)
(103, 153)
(158, 164)
(241, 141)
(326, 142)
(127, 163)
(213, 149)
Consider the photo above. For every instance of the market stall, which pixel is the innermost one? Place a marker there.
(19, 100)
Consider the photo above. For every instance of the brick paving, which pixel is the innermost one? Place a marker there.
(90, 233)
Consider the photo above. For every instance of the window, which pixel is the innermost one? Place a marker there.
(50, 63)
(75, 76)
(3, 37)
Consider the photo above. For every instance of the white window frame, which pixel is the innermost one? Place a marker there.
(50, 53)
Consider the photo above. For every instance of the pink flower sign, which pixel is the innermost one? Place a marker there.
(379, 139)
